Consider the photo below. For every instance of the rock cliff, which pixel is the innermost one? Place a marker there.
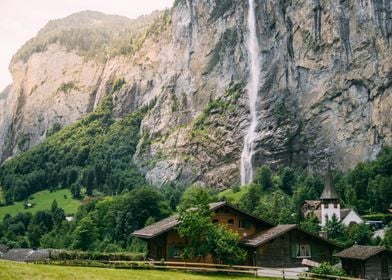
(325, 91)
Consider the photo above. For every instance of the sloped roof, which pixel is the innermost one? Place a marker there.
(167, 224)
(329, 191)
(313, 203)
(344, 213)
(264, 236)
(360, 252)
(157, 228)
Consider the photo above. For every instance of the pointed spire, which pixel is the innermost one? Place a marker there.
(329, 191)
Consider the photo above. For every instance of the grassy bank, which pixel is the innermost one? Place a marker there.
(42, 201)
(15, 270)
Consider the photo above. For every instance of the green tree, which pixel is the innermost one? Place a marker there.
(287, 180)
(75, 191)
(54, 206)
(204, 238)
(311, 223)
(387, 241)
(85, 234)
(196, 196)
(360, 234)
(263, 177)
(250, 200)
(224, 244)
(336, 230)
(196, 227)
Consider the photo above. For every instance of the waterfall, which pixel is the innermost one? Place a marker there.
(252, 45)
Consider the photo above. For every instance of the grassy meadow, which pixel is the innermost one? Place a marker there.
(14, 270)
(43, 200)
(232, 196)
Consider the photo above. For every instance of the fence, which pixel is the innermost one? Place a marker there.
(284, 273)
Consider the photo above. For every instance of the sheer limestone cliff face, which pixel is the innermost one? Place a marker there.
(50, 90)
(325, 91)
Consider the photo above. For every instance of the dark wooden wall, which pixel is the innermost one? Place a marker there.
(278, 252)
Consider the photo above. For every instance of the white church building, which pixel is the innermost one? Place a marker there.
(329, 205)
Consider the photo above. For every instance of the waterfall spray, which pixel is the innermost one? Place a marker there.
(252, 45)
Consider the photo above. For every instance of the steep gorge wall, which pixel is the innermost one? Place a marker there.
(325, 91)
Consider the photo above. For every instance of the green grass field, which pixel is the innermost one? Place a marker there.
(15, 270)
(43, 200)
(233, 196)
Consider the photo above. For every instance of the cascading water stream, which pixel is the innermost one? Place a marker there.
(252, 45)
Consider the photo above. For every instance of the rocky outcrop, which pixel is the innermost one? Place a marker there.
(50, 90)
(325, 91)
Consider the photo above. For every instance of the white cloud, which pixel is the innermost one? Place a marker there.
(20, 20)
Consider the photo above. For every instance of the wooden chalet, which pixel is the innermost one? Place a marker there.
(287, 246)
(368, 262)
(266, 244)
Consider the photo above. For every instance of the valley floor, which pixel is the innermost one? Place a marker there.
(14, 270)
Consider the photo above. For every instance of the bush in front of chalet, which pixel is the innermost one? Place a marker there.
(225, 246)
(204, 237)
(327, 269)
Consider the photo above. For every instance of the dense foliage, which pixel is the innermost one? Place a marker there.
(96, 35)
(203, 236)
(102, 225)
(94, 153)
(367, 188)
(278, 196)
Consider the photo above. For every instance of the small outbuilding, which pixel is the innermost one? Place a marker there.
(368, 262)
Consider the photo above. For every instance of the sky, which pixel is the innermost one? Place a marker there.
(20, 20)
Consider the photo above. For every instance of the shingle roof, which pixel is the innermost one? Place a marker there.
(329, 191)
(272, 233)
(313, 203)
(267, 235)
(172, 221)
(344, 213)
(157, 228)
(361, 252)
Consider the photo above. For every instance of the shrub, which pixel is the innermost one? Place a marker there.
(327, 269)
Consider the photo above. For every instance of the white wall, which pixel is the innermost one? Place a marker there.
(329, 212)
(352, 217)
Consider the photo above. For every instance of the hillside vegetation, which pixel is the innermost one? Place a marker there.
(95, 153)
(95, 35)
(42, 201)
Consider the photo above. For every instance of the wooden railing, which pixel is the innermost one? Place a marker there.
(283, 273)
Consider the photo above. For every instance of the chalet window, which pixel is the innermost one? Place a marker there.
(335, 205)
(215, 221)
(175, 251)
(243, 223)
(326, 206)
(303, 251)
(230, 221)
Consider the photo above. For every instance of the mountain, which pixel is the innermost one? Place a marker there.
(325, 93)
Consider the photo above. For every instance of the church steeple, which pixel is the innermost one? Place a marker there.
(329, 192)
(330, 205)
